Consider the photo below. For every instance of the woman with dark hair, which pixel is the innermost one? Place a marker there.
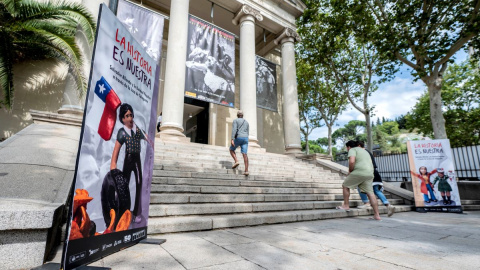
(130, 135)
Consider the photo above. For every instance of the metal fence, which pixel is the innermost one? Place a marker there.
(395, 167)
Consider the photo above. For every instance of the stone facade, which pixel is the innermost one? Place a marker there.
(276, 132)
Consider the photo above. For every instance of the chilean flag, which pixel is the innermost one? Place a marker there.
(105, 92)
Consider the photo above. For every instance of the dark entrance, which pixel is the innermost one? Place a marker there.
(196, 120)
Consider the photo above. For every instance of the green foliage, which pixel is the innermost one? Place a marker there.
(423, 35)
(310, 117)
(319, 146)
(390, 128)
(36, 30)
(401, 121)
(353, 130)
(320, 98)
(332, 39)
(460, 103)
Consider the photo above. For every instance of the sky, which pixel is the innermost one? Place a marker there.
(391, 100)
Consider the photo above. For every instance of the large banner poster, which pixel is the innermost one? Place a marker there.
(145, 25)
(210, 66)
(433, 176)
(266, 72)
(109, 208)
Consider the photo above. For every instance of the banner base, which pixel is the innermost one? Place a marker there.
(57, 266)
(153, 241)
(420, 210)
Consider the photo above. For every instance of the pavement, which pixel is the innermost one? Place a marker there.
(408, 240)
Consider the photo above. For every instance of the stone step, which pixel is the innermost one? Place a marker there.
(157, 225)
(169, 198)
(224, 170)
(470, 202)
(202, 159)
(231, 176)
(231, 208)
(471, 207)
(158, 188)
(223, 155)
(298, 168)
(248, 183)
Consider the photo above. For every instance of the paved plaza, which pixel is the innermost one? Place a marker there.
(408, 240)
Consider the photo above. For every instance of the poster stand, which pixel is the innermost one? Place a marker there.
(57, 266)
(153, 241)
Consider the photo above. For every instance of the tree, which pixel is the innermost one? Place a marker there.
(34, 30)
(390, 128)
(331, 101)
(424, 35)
(460, 95)
(330, 36)
(310, 118)
(353, 130)
(327, 98)
(401, 121)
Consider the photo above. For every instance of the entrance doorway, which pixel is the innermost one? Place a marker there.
(195, 120)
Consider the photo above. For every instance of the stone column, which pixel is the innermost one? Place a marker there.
(291, 120)
(246, 17)
(172, 109)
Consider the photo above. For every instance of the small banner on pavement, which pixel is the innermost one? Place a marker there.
(433, 176)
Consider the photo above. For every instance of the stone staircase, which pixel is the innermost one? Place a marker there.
(194, 188)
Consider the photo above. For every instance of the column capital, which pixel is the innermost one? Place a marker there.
(247, 10)
(287, 35)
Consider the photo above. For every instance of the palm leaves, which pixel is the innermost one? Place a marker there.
(31, 30)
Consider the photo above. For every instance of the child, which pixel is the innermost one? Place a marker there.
(130, 135)
(425, 184)
(443, 186)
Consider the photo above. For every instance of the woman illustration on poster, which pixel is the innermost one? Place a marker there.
(426, 186)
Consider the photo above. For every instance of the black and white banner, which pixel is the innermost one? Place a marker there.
(210, 66)
(145, 26)
(266, 72)
(114, 167)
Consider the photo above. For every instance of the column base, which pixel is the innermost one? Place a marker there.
(253, 146)
(70, 109)
(172, 133)
(293, 150)
(56, 118)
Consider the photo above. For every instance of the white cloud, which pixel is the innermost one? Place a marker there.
(392, 99)
(396, 97)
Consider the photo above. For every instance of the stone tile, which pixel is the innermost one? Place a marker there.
(223, 238)
(346, 260)
(140, 256)
(237, 265)
(200, 253)
(409, 259)
(271, 257)
(176, 240)
(291, 244)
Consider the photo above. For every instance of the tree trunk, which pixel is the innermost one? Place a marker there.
(306, 144)
(436, 114)
(329, 139)
(369, 130)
